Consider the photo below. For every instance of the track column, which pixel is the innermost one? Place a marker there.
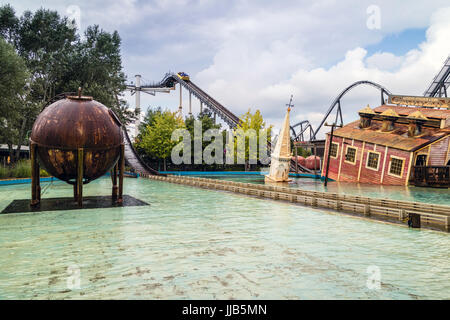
(181, 97)
(190, 103)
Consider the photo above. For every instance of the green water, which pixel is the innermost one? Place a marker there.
(407, 193)
(202, 244)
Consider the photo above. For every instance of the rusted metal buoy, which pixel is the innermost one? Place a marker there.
(77, 140)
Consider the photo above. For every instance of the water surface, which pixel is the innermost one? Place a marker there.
(407, 193)
(202, 244)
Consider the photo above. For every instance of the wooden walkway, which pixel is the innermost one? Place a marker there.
(422, 214)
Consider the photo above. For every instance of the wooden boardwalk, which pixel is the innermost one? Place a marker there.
(422, 214)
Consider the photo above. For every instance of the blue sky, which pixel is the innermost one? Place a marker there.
(256, 53)
(399, 43)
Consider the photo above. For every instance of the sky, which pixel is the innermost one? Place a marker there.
(256, 54)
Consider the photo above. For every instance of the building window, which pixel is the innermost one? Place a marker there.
(334, 149)
(373, 159)
(396, 166)
(350, 155)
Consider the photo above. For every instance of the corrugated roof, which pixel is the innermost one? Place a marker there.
(405, 111)
(390, 113)
(417, 115)
(398, 138)
(367, 110)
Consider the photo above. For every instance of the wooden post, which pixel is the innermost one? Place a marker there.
(296, 160)
(35, 198)
(315, 155)
(329, 150)
(114, 181)
(38, 179)
(367, 210)
(75, 191)
(80, 162)
(329, 154)
(121, 170)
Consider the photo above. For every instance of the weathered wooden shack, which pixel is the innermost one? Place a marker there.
(392, 145)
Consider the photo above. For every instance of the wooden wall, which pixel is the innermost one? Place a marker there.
(342, 170)
(439, 152)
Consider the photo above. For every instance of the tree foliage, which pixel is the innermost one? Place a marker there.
(247, 123)
(156, 138)
(58, 61)
(207, 122)
(13, 105)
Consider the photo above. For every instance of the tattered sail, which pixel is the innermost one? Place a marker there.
(281, 156)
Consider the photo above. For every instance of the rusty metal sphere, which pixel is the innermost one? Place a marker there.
(75, 122)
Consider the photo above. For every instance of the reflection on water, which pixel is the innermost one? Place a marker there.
(428, 195)
(202, 244)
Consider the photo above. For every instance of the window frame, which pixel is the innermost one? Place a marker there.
(402, 169)
(356, 154)
(337, 150)
(378, 162)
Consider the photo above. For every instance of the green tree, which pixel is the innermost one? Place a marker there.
(13, 78)
(207, 121)
(247, 123)
(96, 66)
(156, 138)
(147, 121)
(149, 118)
(59, 61)
(9, 23)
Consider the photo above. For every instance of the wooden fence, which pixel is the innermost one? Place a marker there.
(430, 215)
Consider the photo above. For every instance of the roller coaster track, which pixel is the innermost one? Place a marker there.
(440, 83)
(304, 127)
(133, 159)
(337, 102)
(169, 81)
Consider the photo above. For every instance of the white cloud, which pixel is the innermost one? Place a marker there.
(257, 53)
(242, 77)
(384, 61)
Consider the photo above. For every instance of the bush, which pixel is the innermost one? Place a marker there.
(21, 169)
(4, 172)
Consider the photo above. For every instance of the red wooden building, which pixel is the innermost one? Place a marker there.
(392, 145)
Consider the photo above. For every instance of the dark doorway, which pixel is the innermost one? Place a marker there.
(421, 160)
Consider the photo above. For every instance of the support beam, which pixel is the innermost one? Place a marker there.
(190, 103)
(138, 104)
(75, 191)
(114, 181)
(121, 171)
(296, 158)
(181, 97)
(80, 162)
(35, 188)
(201, 106)
(329, 149)
(315, 156)
(138, 92)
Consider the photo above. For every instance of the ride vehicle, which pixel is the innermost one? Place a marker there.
(183, 76)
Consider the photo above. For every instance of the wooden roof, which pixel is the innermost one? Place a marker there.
(398, 138)
(406, 111)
